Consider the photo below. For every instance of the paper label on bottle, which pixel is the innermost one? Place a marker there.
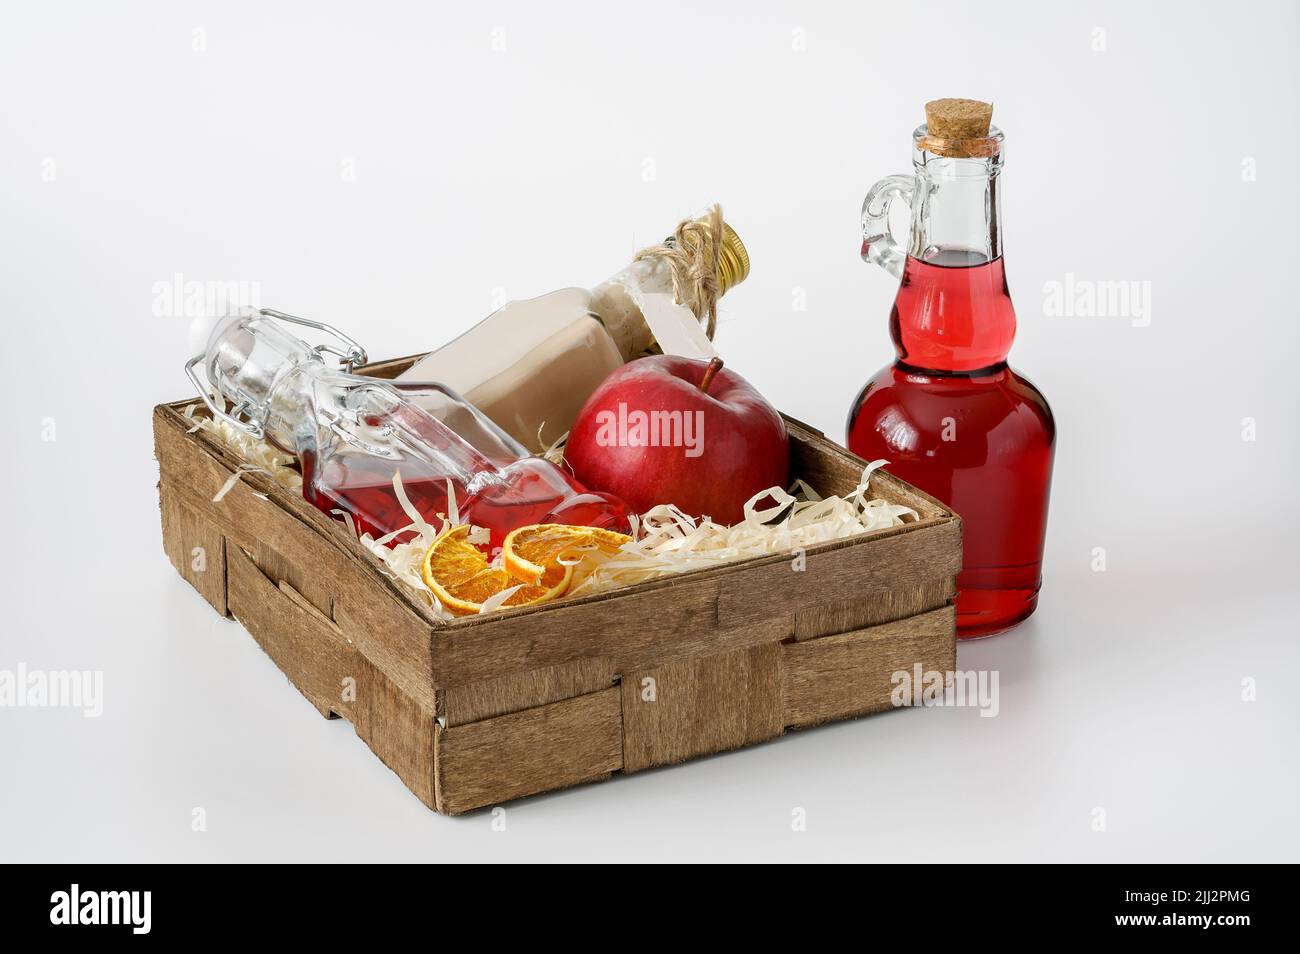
(674, 326)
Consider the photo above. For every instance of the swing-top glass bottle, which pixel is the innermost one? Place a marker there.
(353, 434)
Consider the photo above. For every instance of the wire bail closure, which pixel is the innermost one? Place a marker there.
(350, 355)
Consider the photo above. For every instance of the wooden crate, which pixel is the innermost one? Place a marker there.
(486, 709)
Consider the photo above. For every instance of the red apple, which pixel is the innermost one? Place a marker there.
(665, 429)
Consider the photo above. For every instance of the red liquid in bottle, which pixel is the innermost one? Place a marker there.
(952, 418)
(362, 487)
(535, 491)
(523, 492)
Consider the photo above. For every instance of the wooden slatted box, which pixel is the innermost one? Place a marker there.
(486, 709)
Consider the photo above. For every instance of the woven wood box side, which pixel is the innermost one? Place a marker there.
(482, 710)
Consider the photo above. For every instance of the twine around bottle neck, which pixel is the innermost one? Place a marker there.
(705, 258)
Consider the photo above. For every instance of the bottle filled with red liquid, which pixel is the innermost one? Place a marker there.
(353, 435)
(949, 414)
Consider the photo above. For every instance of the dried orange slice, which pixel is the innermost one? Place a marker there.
(529, 553)
(459, 575)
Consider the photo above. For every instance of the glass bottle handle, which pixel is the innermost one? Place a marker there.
(878, 245)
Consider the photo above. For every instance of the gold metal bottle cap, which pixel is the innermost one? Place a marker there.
(733, 260)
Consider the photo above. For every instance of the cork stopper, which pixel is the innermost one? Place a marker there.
(958, 128)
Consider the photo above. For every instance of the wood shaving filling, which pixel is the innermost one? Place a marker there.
(670, 541)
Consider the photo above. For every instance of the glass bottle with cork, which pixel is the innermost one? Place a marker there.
(950, 415)
(532, 364)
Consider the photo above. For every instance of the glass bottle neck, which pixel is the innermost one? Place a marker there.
(956, 215)
(264, 372)
(696, 265)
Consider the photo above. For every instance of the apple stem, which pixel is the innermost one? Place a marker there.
(715, 365)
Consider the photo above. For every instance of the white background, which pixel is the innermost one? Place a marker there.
(521, 147)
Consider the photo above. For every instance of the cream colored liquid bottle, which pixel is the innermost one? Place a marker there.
(531, 365)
